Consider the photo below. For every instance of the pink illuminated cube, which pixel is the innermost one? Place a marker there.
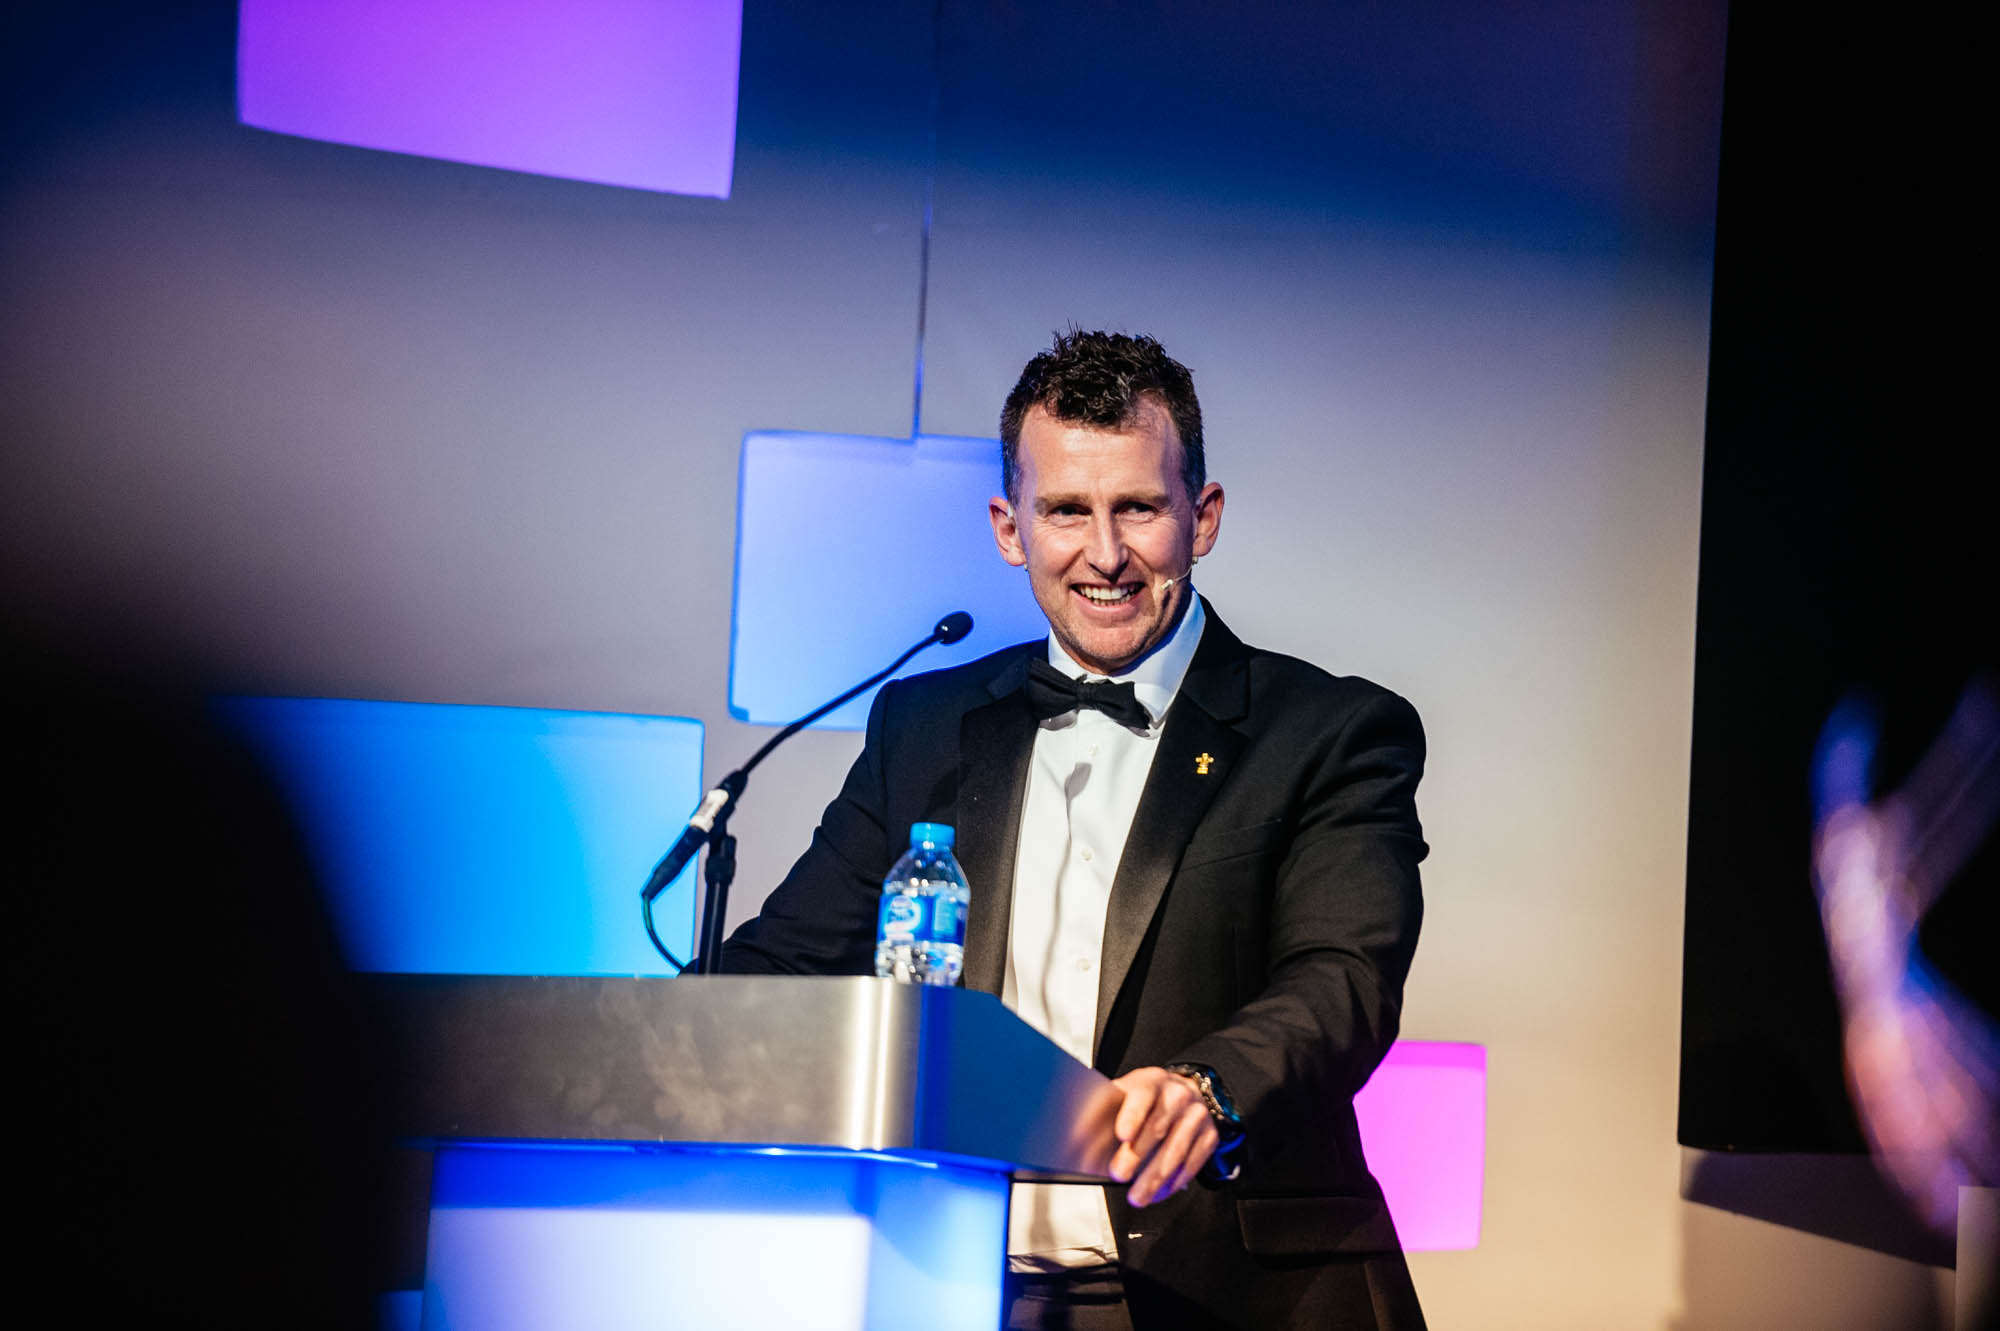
(1423, 1126)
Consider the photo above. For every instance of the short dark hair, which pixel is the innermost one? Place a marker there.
(1100, 379)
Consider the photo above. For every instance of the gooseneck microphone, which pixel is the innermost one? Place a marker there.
(948, 631)
(710, 821)
(697, 830)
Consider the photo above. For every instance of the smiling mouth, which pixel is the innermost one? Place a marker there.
(1109, 595)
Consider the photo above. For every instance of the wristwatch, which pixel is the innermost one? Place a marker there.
(1225, 1164)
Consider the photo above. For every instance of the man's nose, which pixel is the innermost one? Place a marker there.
(1106, 550)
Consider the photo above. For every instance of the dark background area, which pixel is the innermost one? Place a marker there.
(1846, 537)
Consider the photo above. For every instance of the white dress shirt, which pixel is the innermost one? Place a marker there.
(1084, 783)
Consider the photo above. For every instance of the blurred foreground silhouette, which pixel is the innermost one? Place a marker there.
(206, 1102)
(1922, 1056)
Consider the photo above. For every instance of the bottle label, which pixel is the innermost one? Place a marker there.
(950, 921)
(902, 917)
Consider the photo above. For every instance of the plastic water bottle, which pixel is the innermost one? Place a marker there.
(920, 933)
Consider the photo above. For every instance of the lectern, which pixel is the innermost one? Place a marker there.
(728, 1152)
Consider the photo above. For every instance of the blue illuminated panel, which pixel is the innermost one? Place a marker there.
(526, 1239)
(848, 549)
(485, 840)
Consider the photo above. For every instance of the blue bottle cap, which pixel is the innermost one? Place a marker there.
(932, 834)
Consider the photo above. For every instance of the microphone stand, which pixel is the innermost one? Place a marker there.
(719, 873)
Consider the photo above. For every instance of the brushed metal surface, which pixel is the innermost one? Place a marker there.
(852, 1063)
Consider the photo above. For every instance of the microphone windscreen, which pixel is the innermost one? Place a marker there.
(953, 627)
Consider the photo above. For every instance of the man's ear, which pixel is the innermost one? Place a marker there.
(1006, 532)
(1207, 518)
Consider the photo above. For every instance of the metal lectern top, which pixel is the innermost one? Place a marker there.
(851, 1063)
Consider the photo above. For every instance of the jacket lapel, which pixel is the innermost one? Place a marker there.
(995, 742)
(1197, 753)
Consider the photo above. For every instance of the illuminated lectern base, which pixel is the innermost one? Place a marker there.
(592, 1170)
(527, 1239)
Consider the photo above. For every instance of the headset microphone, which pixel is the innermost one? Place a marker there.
(1166, 583)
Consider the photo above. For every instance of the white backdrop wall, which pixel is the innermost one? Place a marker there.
(325, 421)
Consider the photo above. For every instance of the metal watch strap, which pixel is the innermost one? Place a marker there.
(1224, 1164)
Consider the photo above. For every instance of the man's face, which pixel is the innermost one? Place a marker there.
(1102, 524)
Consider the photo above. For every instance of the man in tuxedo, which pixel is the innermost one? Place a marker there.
(1193, 863)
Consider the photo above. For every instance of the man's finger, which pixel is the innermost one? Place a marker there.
(1132, 1113)
(1162, 1164)
(1168, 1106)
(1198, 1155)
(1140, 1092)
(1132, 1156)
(1162, 1174)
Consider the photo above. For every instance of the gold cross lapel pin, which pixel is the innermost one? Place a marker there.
(1202, 761)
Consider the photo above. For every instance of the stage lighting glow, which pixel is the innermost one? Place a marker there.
(485, 840)
(641, 95)
(525, 1238)
(848, 549)
(1423, 1127)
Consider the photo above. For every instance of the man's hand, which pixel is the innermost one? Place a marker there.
(1164, 1132)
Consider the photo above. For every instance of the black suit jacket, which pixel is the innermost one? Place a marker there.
(1262, 922)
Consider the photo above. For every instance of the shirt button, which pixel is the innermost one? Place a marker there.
(1091, 751)
(1086, 854)
(1083, 963)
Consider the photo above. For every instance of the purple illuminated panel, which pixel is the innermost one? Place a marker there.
(619, 92)
(1423, 1126)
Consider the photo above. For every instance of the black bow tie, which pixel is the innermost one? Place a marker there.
(1052, 693)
